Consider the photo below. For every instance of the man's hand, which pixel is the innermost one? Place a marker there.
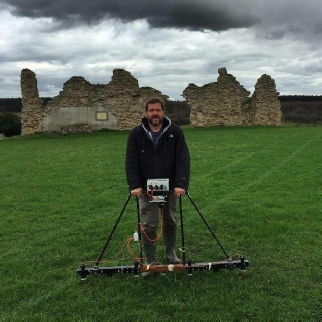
(178, 192)
(138, 192)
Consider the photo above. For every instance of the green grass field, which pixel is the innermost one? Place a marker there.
(259, 188)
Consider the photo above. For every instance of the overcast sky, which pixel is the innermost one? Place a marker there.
(165, 44)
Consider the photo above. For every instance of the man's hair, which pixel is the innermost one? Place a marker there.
(153, 101)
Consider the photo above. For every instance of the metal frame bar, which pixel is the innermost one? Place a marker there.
(138, 267)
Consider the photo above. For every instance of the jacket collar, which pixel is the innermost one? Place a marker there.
(165, 126)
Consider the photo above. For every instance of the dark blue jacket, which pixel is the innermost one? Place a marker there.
(169, 159)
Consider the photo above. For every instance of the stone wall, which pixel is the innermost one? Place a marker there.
(32, 106)
(226, 102)
(119, 104)
(265, 106)
(81, 105)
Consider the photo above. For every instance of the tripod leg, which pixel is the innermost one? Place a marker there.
(210, 229)
(112, 232)
(182, 233)
(139, 227)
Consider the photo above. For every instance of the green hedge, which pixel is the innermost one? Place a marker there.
(10, 124)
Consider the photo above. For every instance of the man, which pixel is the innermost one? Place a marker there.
(157, 149)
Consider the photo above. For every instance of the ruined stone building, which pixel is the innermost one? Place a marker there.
(82, 106)
(226, 102)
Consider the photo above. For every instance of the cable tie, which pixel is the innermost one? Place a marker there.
(170, 268)
(209, 266)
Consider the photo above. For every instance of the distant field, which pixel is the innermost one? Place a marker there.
(259, 188)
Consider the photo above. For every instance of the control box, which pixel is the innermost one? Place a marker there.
(157, 190)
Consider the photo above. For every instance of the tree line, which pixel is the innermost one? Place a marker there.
(298, 108)
(10, 105)
(300, 98)
(14, 105)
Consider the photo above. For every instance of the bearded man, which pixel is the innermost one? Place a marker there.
(157, 149)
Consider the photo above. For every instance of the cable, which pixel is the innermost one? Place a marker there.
(110, 260)
(152, 196)
(135, 257)
(161, 230)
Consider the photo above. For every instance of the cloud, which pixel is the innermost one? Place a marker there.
(166, 45)
(290, 19)
(274, 19)
(182, 14)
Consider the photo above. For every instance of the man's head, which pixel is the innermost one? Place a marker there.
(154, 101)
(154, 112)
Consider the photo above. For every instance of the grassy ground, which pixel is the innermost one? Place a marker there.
(259, 188)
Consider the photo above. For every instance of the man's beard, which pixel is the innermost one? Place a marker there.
(155, 121)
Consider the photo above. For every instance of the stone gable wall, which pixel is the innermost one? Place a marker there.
(78, 103)
(226, 102)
